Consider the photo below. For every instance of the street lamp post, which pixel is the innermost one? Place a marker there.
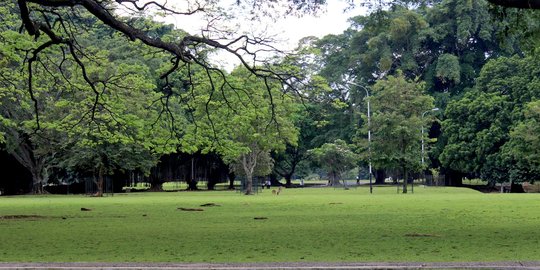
(369, 133)
(423, 114)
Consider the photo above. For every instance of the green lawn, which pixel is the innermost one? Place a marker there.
(315, 224)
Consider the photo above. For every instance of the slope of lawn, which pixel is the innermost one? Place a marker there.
(311, 224)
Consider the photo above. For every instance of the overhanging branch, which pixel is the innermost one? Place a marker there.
(188, 50)
(524, 4)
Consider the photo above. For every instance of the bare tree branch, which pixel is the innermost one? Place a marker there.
(162, 7)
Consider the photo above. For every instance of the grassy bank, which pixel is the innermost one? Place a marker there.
(434, 224)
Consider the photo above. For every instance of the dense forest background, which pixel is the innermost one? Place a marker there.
(453, 88)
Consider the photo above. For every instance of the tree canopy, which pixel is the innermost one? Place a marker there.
(398, 117)
(95, 88)
(479, 125)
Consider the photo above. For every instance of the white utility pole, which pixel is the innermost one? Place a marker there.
(369, 133)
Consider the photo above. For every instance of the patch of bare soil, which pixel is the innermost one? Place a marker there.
(190, 209)
(209, 205)
(421, 235)
(16, 217)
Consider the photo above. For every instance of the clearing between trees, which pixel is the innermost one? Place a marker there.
(434, 224)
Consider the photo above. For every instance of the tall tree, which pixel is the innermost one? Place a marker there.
(522, 151)
(243, 122)
(17, 109)
(479, 124)
(287, 162)
(398, 105)
(92, 107)
(122, 134)
(446, 43)
(336, 158)
(320, 118)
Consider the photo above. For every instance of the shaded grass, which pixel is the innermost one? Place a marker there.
(323, 224)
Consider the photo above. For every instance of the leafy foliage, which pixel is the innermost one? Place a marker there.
(243, 122)
(398, 107)
(336, 158)
(97, 117)
(479, 125)
(522, 149)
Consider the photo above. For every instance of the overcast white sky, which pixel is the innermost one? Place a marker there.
(333, 21)
(289, 30)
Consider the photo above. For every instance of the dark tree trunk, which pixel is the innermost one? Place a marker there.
(192, 185)
(156, 180)
(213, 179)
(453, 178)
(38, 188)
(516, 188)
(37, 181)
(99, 183)
(156, 186)
(16, 178)
(25, 155)
(288, 181)
(274, 181)
(380, 175)
(405, 176)
(334, 178)
(249, 184)
(287, 172)
(232, 177)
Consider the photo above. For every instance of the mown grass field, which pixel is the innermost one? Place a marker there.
(312, 224)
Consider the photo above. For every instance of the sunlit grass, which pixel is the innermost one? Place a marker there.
(311, 224)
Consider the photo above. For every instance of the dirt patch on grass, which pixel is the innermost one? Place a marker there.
(421, 235)
(25, 217)
(190, 209)
(209, 205)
